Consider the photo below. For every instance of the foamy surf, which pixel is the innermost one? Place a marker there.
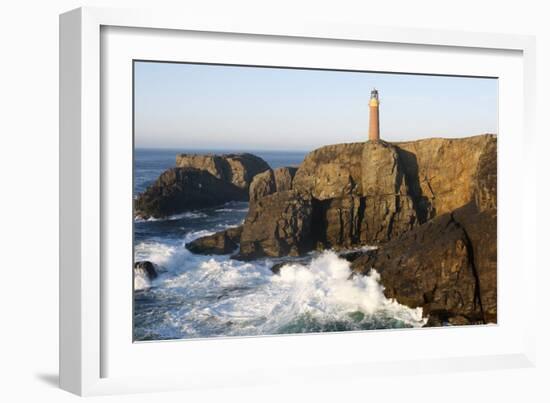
(224, 297)
(187, 214)
(209, 296)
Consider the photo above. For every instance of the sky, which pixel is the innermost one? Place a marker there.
(197, 106)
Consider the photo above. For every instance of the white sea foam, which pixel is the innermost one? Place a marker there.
(228, 210)
(187, 214)
(171, 257)
(228, 297)
(326, 287)
(141, 282)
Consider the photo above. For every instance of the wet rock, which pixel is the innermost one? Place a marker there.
(220, 243)
(147, 269)
(432, 266)
(276, 268)
(352, 255)
(481, 229)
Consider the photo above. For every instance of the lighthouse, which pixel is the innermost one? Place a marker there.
(374, 123)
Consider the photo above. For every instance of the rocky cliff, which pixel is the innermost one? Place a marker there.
(365, 193)
(428, 205)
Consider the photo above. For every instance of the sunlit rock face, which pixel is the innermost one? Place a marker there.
(372, 192)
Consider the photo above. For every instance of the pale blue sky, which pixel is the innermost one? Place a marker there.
(191, 106)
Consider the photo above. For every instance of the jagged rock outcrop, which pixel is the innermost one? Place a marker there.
(284, 177)
(441, 172)
(331, 171)
(485, 179)
(262, 185)
(432, 267)
(277, 225)
(238, 169)
(271, 181)
(481, 229)
(389, 207)
(200, 181)
(359, 195)
(181, 189)
(220, 243)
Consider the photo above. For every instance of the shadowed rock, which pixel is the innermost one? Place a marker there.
(182, 189)
(147, 269)
(277, 225)
(200, 181)
(432, 267)
(220, 243)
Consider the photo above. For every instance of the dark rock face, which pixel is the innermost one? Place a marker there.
(200, 181)
(431, 266)
(276, 268)
(220, 243)
(181, 189)
(147, 268)
(481, 229)
(277, 225)
(238, 169)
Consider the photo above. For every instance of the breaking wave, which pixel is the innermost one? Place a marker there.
(218, 296)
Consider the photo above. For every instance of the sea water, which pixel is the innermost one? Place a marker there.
(208, 296)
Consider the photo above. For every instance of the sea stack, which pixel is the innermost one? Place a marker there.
(374, 123)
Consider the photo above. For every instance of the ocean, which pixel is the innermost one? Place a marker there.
(197, 296)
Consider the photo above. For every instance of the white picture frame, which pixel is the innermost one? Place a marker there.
(85, 306)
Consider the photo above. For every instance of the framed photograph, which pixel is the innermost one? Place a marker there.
(248, 202)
